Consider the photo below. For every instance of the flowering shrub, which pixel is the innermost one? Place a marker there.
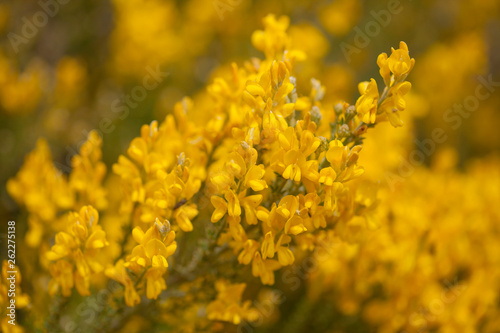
(267, 202)
(270, 169)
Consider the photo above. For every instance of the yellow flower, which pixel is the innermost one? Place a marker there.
(253, 178)
(88, 173)
(264, 268)
(327, 176)
(294, 162)
(366, 105)
(285, 255)
(62, 277)
(155, 283)
(251, 204)
(233, 204)
(76, 252)
(151, 254)
(228, 306)
(273, 39)
(343, 161)
(236, 165)
(220, 208)
(184, 215)
(395, 103)
(384, 71)
(295, 225)
(267, 247)
(246, 255)
(399, 62)
(119, 273)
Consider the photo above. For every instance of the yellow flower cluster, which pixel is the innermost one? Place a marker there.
(150, 257)
(88, 173)
(20, 92)
(281, 172)
(158, 187)
(42, 189)
(391, 102)
(46, 192)
(228, 307)
(74, 254)
(446, 255)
